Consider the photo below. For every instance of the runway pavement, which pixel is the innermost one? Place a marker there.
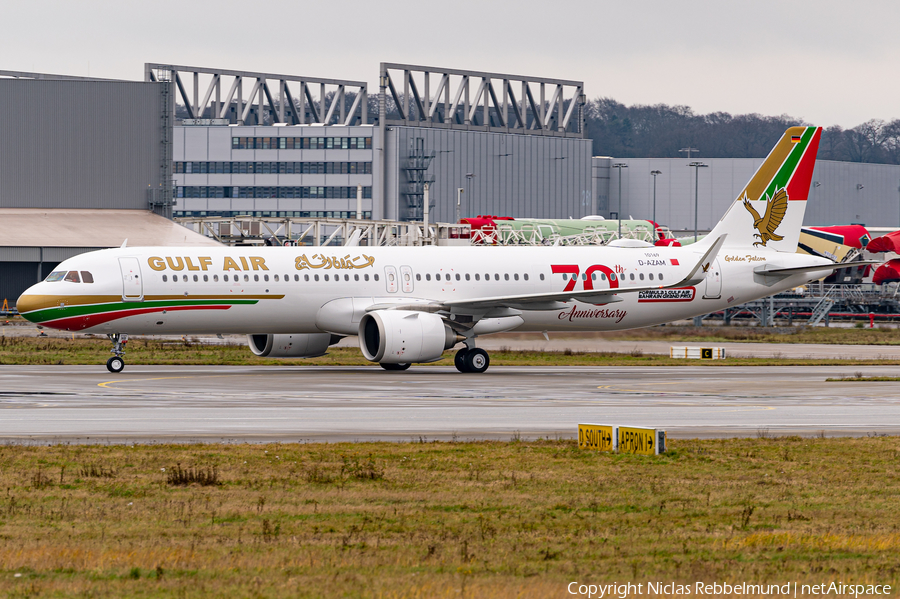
(214, 403)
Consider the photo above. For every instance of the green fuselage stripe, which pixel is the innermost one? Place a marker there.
(48, 314)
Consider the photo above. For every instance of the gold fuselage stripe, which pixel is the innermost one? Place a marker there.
(29, 303)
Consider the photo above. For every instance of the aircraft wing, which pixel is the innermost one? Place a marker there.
(553, 300)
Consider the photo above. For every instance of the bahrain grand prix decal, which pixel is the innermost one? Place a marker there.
(776, 207)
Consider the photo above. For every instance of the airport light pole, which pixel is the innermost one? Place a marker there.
(689, 150)
(654, 173)
(697, 166)
(469, 177)
(459, 192)
(620, 166)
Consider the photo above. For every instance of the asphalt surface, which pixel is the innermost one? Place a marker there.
(87, 404)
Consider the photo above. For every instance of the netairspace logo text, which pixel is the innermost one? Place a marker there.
(790, 589)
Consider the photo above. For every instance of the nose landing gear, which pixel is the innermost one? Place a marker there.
(117, 363)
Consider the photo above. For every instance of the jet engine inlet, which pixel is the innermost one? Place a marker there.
(404, 336)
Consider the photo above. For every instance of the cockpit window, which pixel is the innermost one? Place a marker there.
(53, 277)
(86, 277)
(73, 277)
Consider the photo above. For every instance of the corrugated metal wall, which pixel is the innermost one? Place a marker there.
(19, 276)
(514, 175)
(19, 267)
(79, 144)
(841, 192)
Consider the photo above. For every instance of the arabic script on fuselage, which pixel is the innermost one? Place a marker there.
(323, 261)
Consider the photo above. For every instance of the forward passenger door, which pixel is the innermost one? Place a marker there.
(132, 285)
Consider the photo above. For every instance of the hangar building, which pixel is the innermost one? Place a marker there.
(841, 192)
(300, 146)
(196, 142)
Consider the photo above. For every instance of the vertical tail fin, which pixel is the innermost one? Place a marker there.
(769, 211)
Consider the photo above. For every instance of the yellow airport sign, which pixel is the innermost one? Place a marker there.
(601, 437)
(644, 441)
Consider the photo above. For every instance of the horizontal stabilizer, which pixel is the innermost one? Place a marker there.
(775, 271)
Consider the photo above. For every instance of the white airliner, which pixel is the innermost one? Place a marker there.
(411, 304)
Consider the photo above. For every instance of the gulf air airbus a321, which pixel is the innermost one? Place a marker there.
(410, 305)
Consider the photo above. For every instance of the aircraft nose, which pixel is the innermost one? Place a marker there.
(28, 302)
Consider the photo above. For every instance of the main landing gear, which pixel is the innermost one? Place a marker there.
(117, 363)
(472, 360)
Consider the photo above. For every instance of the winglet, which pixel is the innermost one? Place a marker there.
(125, 243)
(698, 273)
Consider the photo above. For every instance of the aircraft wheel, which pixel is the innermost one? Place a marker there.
(115, 364)
(460, 360)
(387, 366)
(477, 360)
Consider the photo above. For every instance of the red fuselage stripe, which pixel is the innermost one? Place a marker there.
(79, 323)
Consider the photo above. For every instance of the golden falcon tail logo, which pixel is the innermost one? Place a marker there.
(776, 207)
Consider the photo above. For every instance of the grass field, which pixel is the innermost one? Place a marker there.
(488, 519)
(95, 351)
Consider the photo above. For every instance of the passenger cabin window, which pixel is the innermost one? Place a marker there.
(660, 277)
(73, 277)
(215, 278)
(641, 276)
(525, 276)
(206, 278)
(418, 277)
(467, 276)
(365, 277)
(375, 277)
(651, 276)
(165, 278)
(516, 276)
(225, 277)
(276, 278)
(195, 278)
(542, 276)
(477, 277)
(53, 277)
(86, 277)
(631, 276)
(457, 276)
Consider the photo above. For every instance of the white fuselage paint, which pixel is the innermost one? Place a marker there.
(730, 281)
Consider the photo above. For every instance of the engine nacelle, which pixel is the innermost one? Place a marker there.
(404, 336)
(300, 345)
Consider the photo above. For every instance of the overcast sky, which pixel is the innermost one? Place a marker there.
(826, 62)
